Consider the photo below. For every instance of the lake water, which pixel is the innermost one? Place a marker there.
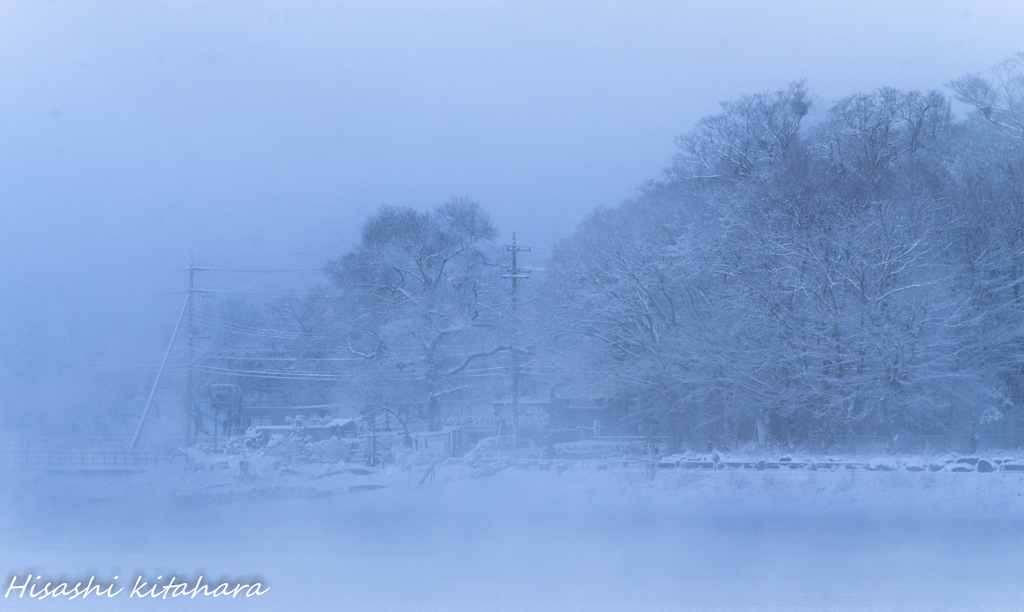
(478, 546)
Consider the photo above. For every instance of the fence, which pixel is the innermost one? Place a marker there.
(162, 444)
(85, 458)
(916, 444)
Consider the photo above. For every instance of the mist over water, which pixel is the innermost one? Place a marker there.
(522, 545)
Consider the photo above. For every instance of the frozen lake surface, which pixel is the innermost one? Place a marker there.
(535, 542)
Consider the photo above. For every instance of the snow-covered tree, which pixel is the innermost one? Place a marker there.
(420, 297)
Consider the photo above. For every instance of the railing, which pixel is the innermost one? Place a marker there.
(115, 443)
(914, 443)
(651, 465)
(84, 458)
(624, 439)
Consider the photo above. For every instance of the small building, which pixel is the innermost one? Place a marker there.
(433, 441)
(343, 428)
(588, 416)
(452, 441)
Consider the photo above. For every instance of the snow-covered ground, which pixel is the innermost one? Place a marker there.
(537, 540)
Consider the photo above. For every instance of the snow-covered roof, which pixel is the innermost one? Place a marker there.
(340, 422)
(443, 431)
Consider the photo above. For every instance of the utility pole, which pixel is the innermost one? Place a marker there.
(515, 273)
(192, 269)
(191, 344)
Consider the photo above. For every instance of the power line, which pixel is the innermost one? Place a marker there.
(545, 234)
(92, 296)
(82, 273)
(230, 326)
(273, 295)
(296, 270)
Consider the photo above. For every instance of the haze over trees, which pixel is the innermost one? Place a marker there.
(787, 281)
(802, 271)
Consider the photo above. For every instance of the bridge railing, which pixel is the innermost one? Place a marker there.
(83, 458)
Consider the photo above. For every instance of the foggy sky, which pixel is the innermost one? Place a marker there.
(261, 133)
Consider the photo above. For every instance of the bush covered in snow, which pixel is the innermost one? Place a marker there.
(407, 458)
(294, 446)
(486, 458)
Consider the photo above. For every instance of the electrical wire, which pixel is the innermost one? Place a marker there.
(296, 270)
(93, 296)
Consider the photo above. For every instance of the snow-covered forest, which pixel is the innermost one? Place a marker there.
(790, 278)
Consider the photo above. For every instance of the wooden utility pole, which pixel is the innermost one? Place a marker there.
(189, 408)
(515, 273)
